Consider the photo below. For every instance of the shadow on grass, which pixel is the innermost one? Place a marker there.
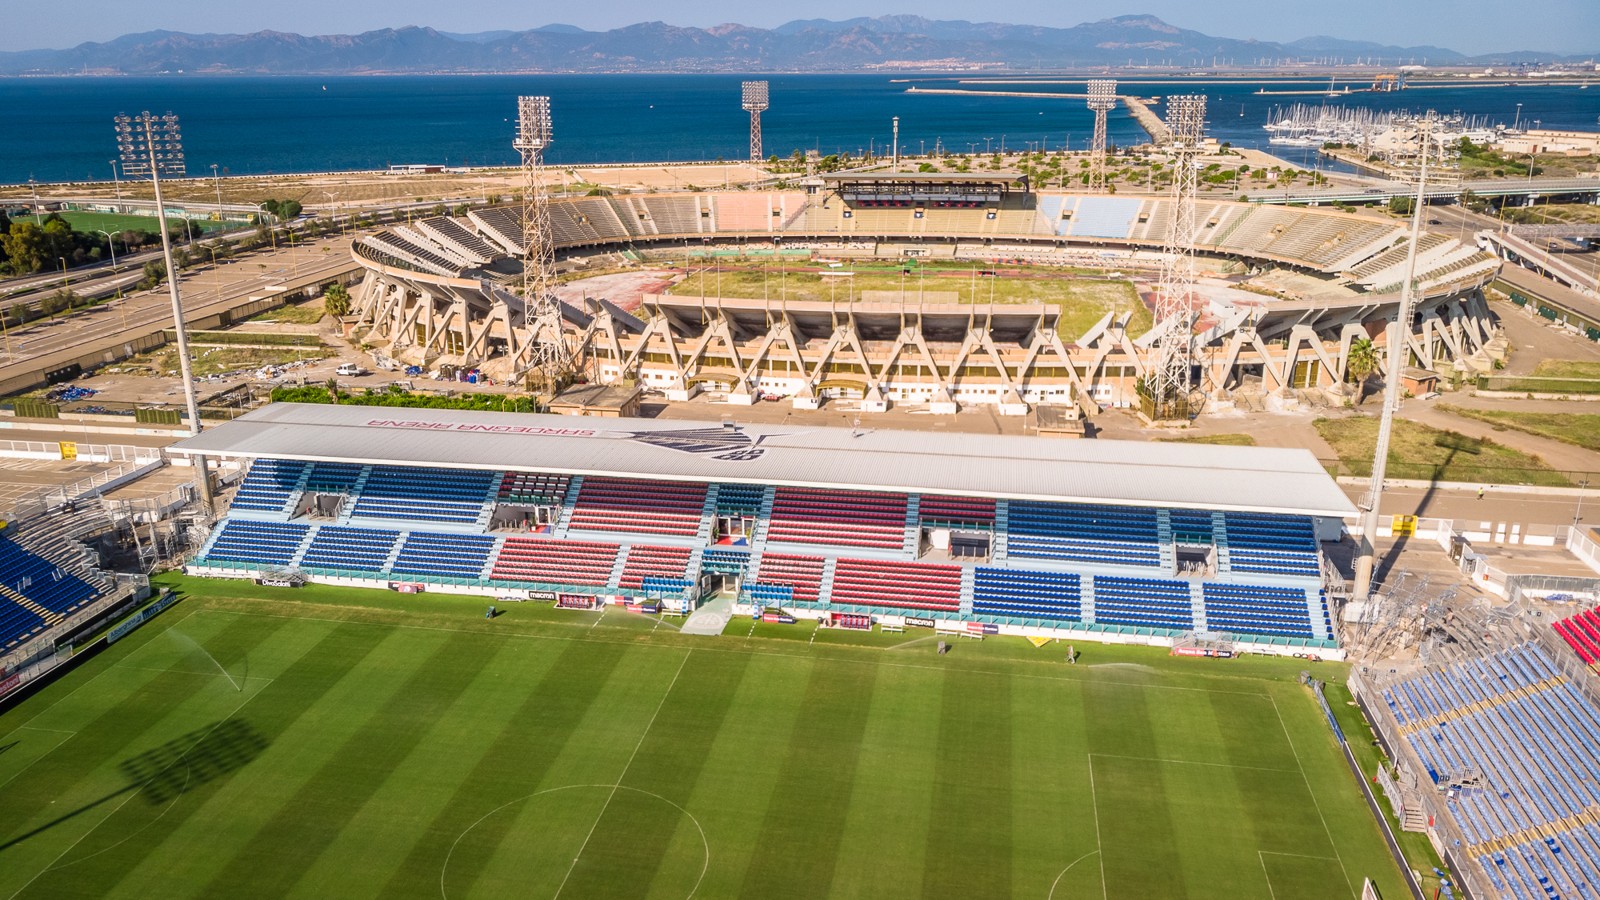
(164, 773)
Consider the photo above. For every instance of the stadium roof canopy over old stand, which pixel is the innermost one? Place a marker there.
(1126, 473)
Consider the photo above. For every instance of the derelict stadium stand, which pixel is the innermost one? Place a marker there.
(846, 518)
(549, 561)
(906, 585)
(1518, 747)
(639, 505)
(30, 580)
(645, 562)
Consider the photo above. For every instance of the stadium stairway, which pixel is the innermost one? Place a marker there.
(348, 507)
(494, 550)
(968, 589)
(913, 535)
(400, 541)
(1086, 599)
(1169, 549)
(1197, 597)
(825, 586)
(564, 521)
(752, 569)
(758, 538)
(1219, 534)
(1002, 522)
(692, 571)
(615, 581)
(708, 515)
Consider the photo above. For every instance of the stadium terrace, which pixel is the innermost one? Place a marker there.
(1129, 542)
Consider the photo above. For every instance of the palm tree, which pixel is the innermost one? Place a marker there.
(1360, 363)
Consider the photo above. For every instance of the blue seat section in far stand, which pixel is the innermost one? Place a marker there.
(1026, 595)
(1107, 217)
(41, 580)
(1190, 526)
(362, 549)
(17, 624)
(1272, 545)
(1259, 610)
(443, 555)
(259, 543)
(268, 484)
(1143, 602)
(425, 494)
(333, 477)
(724, 562)
(1114, 535)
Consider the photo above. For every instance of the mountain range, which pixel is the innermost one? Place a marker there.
(887, 43)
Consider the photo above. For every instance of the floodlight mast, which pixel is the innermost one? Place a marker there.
(754, 100)
(1102, 99)
(545, 349)
(1168, 382)
(1397, 351)
(153, 145)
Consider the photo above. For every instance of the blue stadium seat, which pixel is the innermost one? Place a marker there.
(1143, 603)
(1113, 535)
(265, 544)
(268, 485)
(443, 555)
(1026, 595)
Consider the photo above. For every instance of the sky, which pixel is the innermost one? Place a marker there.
(1470, 26)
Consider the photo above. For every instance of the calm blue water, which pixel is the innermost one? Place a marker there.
(60, 128)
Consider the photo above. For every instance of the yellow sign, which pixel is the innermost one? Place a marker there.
(1040, 641)
(69, 450)
(1403, 526)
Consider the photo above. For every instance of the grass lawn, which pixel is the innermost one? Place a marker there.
(1582, 429)
(1567, 368)
(218, 360)
(1225, 440)
(1083, 301)
(98, 221)
(325, 742)
(308, 313)
(1424, 453)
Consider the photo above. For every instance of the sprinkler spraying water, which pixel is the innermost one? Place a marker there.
(191, 642)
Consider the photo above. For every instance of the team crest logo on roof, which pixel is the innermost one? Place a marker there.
(717, 443)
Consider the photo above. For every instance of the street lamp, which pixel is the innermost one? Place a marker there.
(116, 184)
(218, 182)
(112, 243)
(153, 145)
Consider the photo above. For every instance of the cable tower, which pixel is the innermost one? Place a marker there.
(1102, 99)
(1168, 381)
(1415, 169)
(546, 348)
(754, 101)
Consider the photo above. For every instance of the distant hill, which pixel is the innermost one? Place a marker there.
(811, 45)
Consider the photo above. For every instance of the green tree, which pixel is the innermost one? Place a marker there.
(26, 248)
(1360, 363)
(154, 273)
(337, 300)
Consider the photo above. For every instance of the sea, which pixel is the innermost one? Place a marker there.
(60, 129)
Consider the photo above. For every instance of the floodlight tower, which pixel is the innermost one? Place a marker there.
(1102, 99)
(1168, 380)
(1399, 330)
(545, 349)
(754, 102)
(152, 145)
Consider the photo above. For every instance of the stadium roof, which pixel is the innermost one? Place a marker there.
(1125, 473)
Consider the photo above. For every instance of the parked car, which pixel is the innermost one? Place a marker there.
(350, 370)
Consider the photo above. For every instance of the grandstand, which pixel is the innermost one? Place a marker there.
(427, 296)
(46, 580)
(1505, 745)
(1122, 542)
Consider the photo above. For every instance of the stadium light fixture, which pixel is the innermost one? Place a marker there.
(152, 145)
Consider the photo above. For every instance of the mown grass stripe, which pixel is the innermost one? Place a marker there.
(798, 845)
(147, 861)
(634, 835)
(969, 840)
(1138, 850)
(531, 736)
(325, 802)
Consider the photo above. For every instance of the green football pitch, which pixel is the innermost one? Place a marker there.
(320, 742)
